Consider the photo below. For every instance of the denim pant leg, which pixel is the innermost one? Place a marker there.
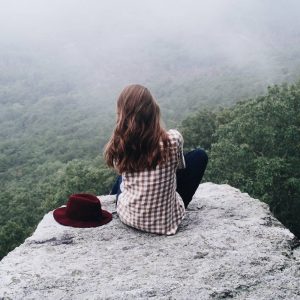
(188, 179)
(116, 187)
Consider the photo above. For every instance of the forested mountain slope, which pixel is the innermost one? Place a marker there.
(255, 146)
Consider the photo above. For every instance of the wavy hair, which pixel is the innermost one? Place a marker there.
(138, 141)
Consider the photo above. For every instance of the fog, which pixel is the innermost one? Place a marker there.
(112, 43)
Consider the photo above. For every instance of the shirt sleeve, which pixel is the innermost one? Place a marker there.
(178, 140)
(181, 160)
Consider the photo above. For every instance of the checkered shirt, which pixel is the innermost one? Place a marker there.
(149, 200)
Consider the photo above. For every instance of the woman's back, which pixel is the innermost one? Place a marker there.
(149, 200)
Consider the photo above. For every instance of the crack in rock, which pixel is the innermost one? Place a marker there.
(64, 240)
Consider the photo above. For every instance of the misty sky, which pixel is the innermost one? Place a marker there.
(123, 38)
(128, 24)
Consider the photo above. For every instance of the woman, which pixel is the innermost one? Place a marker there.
(156, 181)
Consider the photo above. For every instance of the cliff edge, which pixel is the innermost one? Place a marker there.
(228, 246)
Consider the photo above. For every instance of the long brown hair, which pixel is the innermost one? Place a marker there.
(135, 142)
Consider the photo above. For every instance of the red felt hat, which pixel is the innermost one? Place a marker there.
(82, 210)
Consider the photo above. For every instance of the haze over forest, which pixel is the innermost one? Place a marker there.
(64, 63)
(101, 46)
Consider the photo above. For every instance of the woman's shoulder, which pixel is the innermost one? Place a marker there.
(175, 135)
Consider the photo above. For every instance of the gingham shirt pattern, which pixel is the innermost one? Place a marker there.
(149, 200)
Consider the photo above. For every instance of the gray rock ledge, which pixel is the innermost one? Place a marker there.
(228, 246)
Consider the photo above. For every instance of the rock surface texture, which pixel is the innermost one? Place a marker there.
(228, 246)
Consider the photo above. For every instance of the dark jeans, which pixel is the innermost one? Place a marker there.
(188, 179)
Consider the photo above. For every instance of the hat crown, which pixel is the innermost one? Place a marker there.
(82, 210)
(83, 207)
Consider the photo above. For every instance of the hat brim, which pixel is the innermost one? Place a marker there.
(60, 216)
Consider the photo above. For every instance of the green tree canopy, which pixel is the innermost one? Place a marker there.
(255, 147)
